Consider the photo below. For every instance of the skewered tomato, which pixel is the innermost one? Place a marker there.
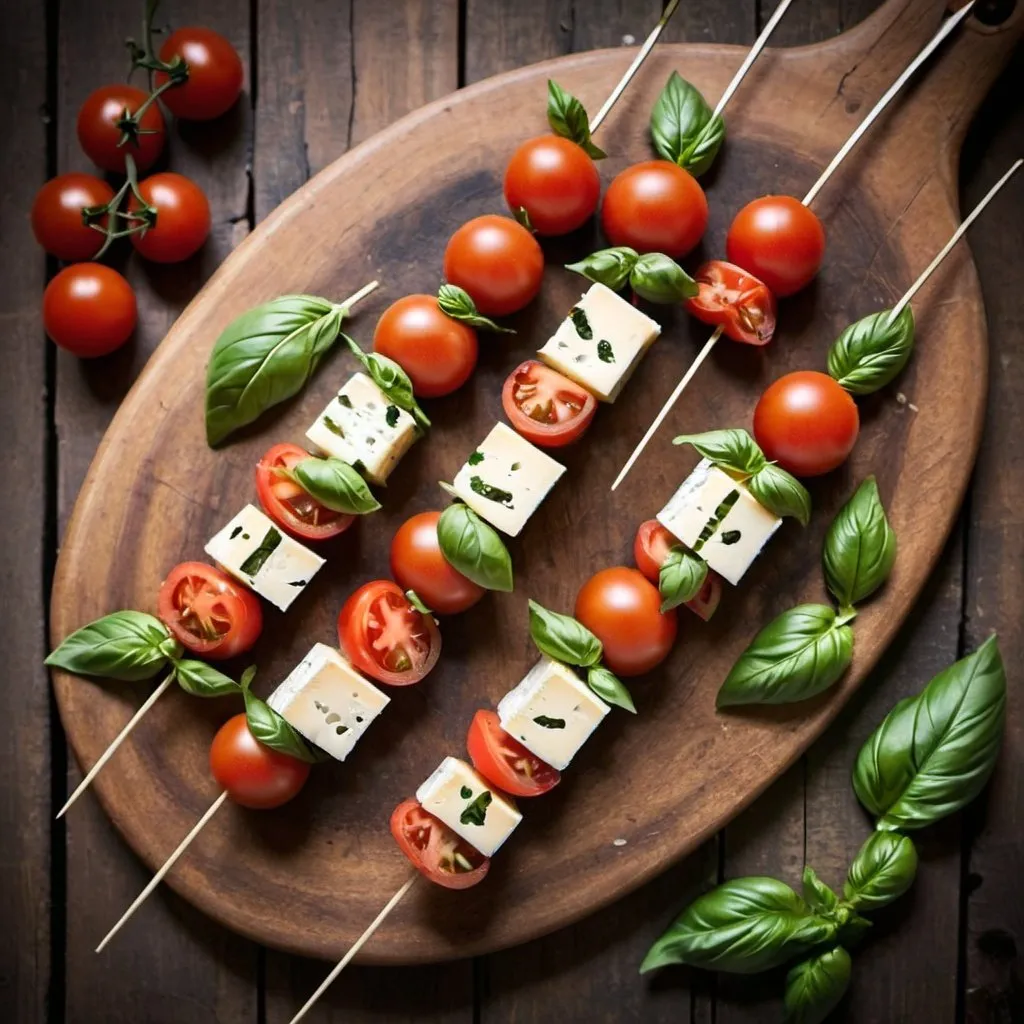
(735, 299)
(182, 218)
(384, 636)
(650, 549)
(555, 182)
(778, 239)
(100, 136)
(254, 775)
(806, 423)
(546, 407)
(435, 850)
(497, 261)
(214, 74)
(623, 610)
(58, 220)
(504, 761)
(655, 206)
(89, 309)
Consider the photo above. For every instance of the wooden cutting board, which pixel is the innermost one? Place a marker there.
(646, 791)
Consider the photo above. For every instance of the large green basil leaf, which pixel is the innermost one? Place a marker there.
(563, 638)
(797, 655)
(883, 870)
(610, 267)
(336, 485)
(681, 577)
(933, 753)
(264, 357)
(568, 119)
(733, 449)
(474, 548)
(274, 731)
(681, 126)
(871, 353)
(781, 493)
(744, 926)
(457, 303)
(202, 680)
(610, 688)
(815, 987)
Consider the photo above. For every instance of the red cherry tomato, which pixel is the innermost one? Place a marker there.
(555, 182)
(384, 636)
(623, 610)
(737, 300)
(211, 614)
(778, 239)
(546, 408)
(89, 309)
(504, 761)
(182, 218)
(650, 549)
(497, 261)
(437, 352)
(214, 74)
(58, 220)
(99, 135)
(435, 850)
(655, 206)
(806, 423)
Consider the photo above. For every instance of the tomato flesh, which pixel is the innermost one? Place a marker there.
(546, 407)
(738, 301)
(89, 310)
(650, 549)
(214, 74)
(434, 849)
(57, 215)
(504, 761)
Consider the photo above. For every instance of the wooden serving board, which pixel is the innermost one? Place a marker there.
(309, 877)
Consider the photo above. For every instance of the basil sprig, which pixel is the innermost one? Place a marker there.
(568, 119)
(681, 577)
(815, 987)
(125, 645)
(474, 548)
(272, 729)
(653, 276)
(883, 870)
(871, 352)
(335, 484)
(457, 303)
(682, 127)
(392, 380)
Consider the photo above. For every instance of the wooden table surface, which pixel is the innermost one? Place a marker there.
(322, 76)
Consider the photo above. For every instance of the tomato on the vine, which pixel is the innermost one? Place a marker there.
(100, 136)
(434, 849)
(738, 301)
(182, 218)
(89, 309)
(650, 549)
(58, 215)
(504, 762)
(214, 74)
(545, 407)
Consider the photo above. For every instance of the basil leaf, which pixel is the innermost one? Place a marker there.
(610, 267)
(682, 575)
(392, 380)
(658, 278)
(272, 730)
(871, 352)
(818, 895)
(610, 688)
(568, 119)
(457, 303)
(883, 870)
(815, 987)
(202, 680)
(860, 547)
(124, 645)
(474, 548)
(732, 449)
(682, 129)
(701, 153)
(797, 655)
(744, 926)
(336, 485)
(781, 493)
(563, 638)
(522, 215)
(853, 930)
(264, 357)
(933, 753)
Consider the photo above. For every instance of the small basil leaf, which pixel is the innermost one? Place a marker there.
(522, 215)
(568, 119)
(417, 602)
(125, 645)
(474, 548)
(815, 987)
(797, 655)
(610, 267)
(336, 485)
(733, 449)
(678, 123)
(781, 493)
(883, 870)
(457, 303)
(871, 352)
(273, 731)
(701, 153)
(563, 638)
(658, 278)
(681, 577)
(610, 688)
(392, 380)
(818, 895)
(202, 680)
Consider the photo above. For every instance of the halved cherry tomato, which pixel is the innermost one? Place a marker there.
(210, 613)
(57, 215)
(650, 549)
(504, 761)
(254, 775)
(292, 508)
(214, 74)
(100, 136)
(735, 299)
(434, 849)
(386, 637)
(182, 218)
(705, 604)
(546, 407)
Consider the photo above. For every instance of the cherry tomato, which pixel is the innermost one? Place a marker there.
(89, 309)
(806, 423)
(58, 219)
(497, 261)
(778, 239)
(182, 218)
(504, 761)
(735, 299)
(211, 614)
(650, 549)
(417, 564)
(291, 507)
(655, 206)
(99, 135)
(705, 604)
(623, 610)
(545, 407)
(214, 74)
(435, 850)
(254, 775)
(555, 182)
(386, 637)
(437, 352)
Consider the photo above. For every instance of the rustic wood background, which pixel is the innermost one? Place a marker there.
(323, 76)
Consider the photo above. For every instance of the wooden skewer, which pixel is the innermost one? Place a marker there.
(356, 296)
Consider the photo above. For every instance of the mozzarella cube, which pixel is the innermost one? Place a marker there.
(252, 549)
(551, 712)
(461, 798)
(326, 700)
(506, 478)
(361, 427)
(600, 342)
(719, 519)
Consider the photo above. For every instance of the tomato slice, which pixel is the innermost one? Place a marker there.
(292, 508)
(650, 549)
(705, 604)
(209, 612)
(738, 301)
(504, 761)
(435, 850)
(546, 408)
(386, 637)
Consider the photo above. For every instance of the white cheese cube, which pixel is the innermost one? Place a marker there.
(506, 478)
(326, 700)
(462, 799)
(254, 550)
(551, 712)
(361, 427)
(600, 342)
(719, 519)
